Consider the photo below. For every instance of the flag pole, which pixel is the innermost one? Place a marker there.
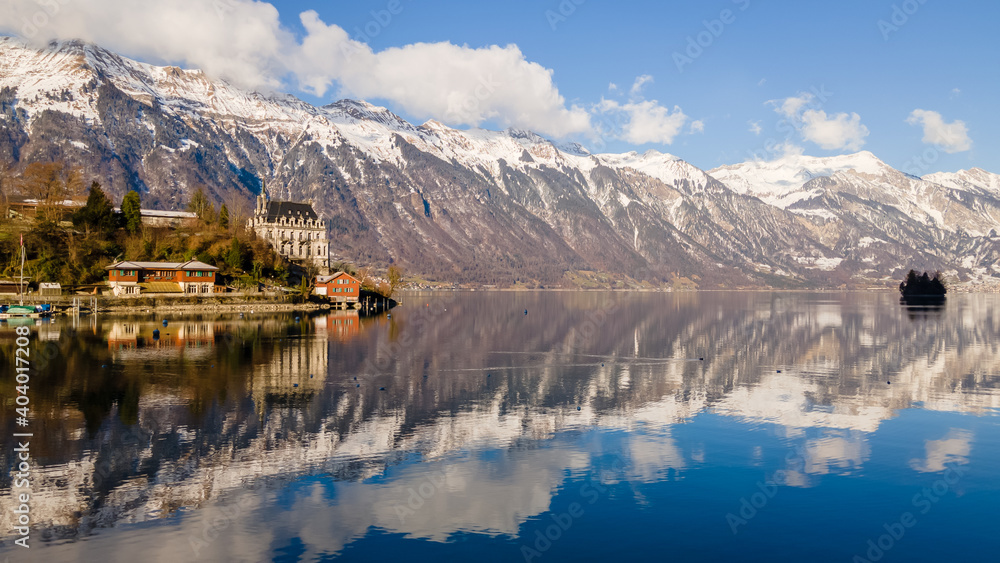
(20, 286)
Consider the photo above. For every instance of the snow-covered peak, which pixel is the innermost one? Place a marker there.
(968, 180)
(779, 180)
(664, 167)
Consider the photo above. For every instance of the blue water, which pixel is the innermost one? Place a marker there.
(597, 427)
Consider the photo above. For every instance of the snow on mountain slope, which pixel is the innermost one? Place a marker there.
(478, 202)
(968, 180)
(780, 182)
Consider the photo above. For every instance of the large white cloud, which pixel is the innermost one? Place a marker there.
(951, 137)
(841, 131)
(244, 42)
(639, 121)
(644, 121)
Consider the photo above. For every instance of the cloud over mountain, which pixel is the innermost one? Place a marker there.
(245, 42)
(951, 137)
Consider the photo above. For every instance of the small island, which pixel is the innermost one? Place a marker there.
(921, 288)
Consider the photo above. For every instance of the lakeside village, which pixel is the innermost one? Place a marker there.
(72, 256)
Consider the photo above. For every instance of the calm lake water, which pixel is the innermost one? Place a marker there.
(596, 427)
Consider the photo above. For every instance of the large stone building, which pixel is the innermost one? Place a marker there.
(293, 230)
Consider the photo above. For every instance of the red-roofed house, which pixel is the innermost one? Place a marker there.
(143, 278)
(339, 288)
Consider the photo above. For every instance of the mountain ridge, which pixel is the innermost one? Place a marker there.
(484, 206)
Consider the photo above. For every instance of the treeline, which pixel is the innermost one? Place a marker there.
(73, 247)
(922, 285)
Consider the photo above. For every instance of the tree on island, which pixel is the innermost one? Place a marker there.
(922, 285)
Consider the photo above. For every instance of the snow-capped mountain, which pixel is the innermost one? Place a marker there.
(478, 205)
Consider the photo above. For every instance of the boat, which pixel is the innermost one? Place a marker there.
(25, 311)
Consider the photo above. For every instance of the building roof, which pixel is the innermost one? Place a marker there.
(164, 214)
(49, 285)
(189, 265)
(162, 287)
(275, 210)
(330, 278)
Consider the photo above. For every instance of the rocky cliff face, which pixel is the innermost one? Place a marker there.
(486, 206)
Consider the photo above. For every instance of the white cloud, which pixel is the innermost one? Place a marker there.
(612, 87)
(755, 127)
(952, 449)
(646, 121)
(831, 132)
(790, 107)
(637, 86)
(840, 131)
(951, 137)
(244, 41)
(697, 126)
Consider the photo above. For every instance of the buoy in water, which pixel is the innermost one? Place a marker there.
(381, 388)
(164, 322)
(701, 359)
(525, 311)
(779, 371)
(888, 383)
(295, 384)
(156, 334)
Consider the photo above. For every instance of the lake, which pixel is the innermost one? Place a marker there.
(503, 426)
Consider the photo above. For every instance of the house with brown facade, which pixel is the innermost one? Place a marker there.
(131, 279)
(339, 288)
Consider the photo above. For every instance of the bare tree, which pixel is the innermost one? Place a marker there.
(49, 183)
(394, 277)
(240, 207)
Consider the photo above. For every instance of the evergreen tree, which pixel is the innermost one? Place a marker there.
(234, 256)
(132, 212)
(224, 217)
(98, 215)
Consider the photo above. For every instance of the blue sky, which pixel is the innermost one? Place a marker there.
(918, 89)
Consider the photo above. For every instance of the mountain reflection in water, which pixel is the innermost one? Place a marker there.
(242, 439)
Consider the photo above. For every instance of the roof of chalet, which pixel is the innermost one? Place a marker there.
(161, 287)
(327, 279)
(164, 214)
(189, 265)
(275, 210)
